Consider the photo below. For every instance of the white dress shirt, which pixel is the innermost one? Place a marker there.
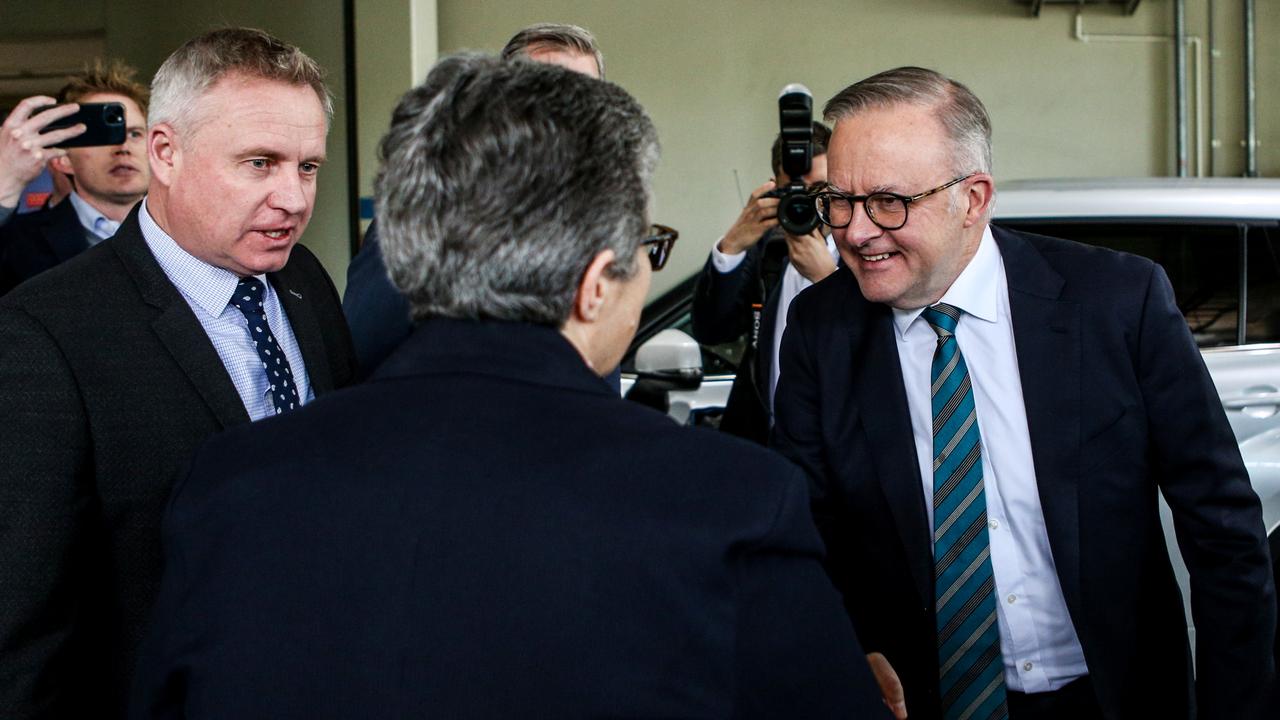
(792, 283)
(207, 290)
(1037, 639)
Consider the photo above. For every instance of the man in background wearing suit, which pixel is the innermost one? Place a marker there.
(107, 181)
(986, 417)
(377, 312)
(484, 528)
(747, 285)
(200, 314)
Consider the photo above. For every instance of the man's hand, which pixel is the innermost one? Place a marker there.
(23, 150)
(810, 255)
(760, 214)
(890, 685)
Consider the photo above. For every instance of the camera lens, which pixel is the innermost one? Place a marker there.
(797, 213)
(114, 115)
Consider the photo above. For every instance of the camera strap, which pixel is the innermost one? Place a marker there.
(770, 264)
(756, 310)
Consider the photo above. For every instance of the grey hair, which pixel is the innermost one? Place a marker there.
(201, 62)
(554, 36)
(501, 181)
(960, 111)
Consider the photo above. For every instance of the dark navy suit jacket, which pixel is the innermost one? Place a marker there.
(377, 313)
(1118, 404)
(485, 529)
(35, 242)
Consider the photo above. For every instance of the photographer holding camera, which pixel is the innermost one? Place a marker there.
(752, 274)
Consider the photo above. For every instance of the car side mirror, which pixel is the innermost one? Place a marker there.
(672, 357)
(670, 360)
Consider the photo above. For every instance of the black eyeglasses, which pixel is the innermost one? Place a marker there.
(660, 241)
(887, 210)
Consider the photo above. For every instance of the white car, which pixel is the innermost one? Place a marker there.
(1218, 239)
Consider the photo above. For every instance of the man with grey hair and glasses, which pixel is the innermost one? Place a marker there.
(986, 417)
(377, 312)
(484, 528)
(201, 313)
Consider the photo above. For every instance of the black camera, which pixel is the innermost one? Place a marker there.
(797, 213)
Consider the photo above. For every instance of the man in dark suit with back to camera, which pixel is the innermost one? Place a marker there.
(200, 314)
(484, 528)
(748, 283)
(107, 181)
(987, 416)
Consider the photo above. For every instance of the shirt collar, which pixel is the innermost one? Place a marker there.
(976, 291)
(98, 225)
(207, 285)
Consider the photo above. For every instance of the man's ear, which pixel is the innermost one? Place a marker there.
(162, 151)
(593, 288)
(62, 164)
(980, 195)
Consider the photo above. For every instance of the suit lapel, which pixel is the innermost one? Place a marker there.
(306, 329)
(177, 327)
(63, 233)
(1046, 334)
(886, 420)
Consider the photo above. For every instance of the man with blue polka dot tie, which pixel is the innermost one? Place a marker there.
(200, 314)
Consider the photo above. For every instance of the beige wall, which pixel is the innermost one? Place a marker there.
(395, 47)
(384, 70)
(709, 73)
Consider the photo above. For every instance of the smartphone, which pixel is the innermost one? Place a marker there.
(103, 122)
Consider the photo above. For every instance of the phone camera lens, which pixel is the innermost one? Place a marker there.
(115, 116)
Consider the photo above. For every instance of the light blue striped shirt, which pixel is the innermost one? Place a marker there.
(208, 289)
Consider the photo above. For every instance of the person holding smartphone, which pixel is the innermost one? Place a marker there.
(24, 150)
(107, 180)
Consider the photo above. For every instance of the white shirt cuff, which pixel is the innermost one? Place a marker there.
(725, 263)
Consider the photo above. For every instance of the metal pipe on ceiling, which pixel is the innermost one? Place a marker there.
(1250, 93)
(1213, 104)
(1180, 81)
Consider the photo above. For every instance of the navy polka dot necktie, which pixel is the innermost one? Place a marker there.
(248, 300)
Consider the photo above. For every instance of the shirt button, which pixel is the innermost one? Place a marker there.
(993, 524)
(1012, 599)
(1027, 666)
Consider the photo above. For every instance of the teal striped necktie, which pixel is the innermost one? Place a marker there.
(971, 670)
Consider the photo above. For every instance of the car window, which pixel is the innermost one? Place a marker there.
(716, 359)
(719, 359)
(673, 310)
(1263, 308)
(1209, 265)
